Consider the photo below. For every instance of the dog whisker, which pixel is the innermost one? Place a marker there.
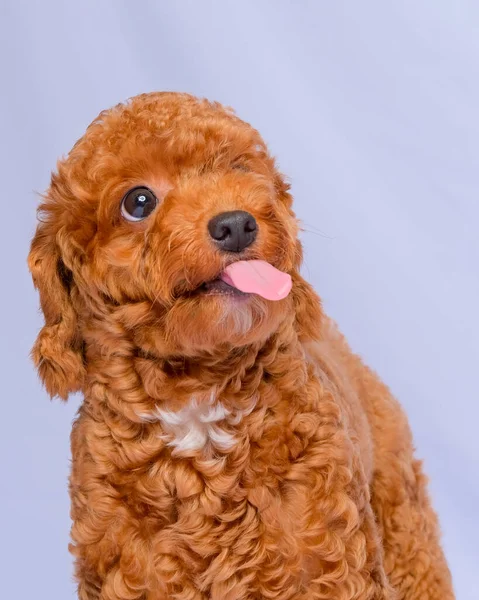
(316, 231)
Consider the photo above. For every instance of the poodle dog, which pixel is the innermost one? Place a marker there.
(230, 445)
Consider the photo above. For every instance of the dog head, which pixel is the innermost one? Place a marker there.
(142, 227)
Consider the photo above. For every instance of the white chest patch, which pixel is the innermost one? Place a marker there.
(198, 424)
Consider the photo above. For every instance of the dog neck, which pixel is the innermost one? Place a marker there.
(229, 370)
(205, 407)
(136, 381)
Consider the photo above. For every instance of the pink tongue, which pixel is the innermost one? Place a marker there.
(258, 277)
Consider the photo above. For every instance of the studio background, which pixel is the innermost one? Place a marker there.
(371, 109)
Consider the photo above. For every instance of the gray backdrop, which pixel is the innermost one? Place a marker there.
(371, 107)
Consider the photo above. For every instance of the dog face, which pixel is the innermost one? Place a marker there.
(150, 207)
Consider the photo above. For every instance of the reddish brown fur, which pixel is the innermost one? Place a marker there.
(321, 496)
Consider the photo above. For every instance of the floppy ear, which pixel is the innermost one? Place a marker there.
(307, 305)
(309, 313)
(57, 352)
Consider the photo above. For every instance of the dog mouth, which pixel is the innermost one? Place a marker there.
(218, 287)
(246, 277)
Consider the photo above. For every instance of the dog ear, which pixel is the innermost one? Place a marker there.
(283, 187)
(309, 313)
(58, 350)
(307, 305)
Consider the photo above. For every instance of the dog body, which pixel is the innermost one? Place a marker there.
(230, 446)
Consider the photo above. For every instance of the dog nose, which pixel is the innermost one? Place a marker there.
(233, 231)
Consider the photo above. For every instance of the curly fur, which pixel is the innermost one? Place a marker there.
(224, 450)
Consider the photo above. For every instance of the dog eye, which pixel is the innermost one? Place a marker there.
(138, 203)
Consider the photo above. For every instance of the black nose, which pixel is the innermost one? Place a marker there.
(233, 231)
